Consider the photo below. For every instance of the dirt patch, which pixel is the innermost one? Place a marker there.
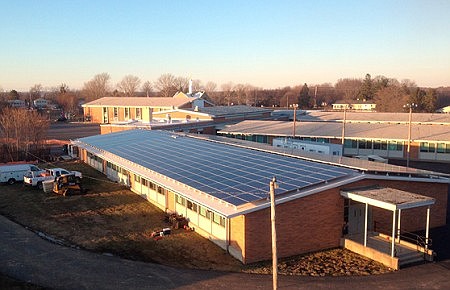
(109, 218)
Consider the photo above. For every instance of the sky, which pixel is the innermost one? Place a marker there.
(268, 44)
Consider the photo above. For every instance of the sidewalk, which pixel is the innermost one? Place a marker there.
(26, 257)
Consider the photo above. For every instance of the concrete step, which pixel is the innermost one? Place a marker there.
(410, 258)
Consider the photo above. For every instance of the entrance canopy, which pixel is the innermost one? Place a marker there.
(387, 198)
(391, 199)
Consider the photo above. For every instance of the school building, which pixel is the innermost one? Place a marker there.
(222, 186)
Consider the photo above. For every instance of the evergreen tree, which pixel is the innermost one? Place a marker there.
(417, 96)
(367, 89)
(430, 101)
(304, 99)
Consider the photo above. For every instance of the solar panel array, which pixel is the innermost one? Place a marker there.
(234, 174)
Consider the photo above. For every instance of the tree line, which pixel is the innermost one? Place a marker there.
(22, 134)
(389, 94)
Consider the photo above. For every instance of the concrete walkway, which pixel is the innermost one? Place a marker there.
(27, 257)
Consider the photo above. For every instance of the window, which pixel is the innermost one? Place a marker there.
(126, 114)
(427, 147)
(138, 113)
(218, 219)
(192, 206)
(137, 178)
(116, 112)
(350, 143)
(161, 190)
(432, 147)
(441, 148)
(180, 200)
(364, 144)
(423, 146)
(144, 182)
(204, 212)
(377, 145)
(395, 146)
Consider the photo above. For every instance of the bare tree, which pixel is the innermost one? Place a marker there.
(97, 87)
(348, 89)
(391, 99)
(22, 130)
(181, 83)
(197, 85)
(147, 88)
(129, 85)
(228, 93)
(166, 85)
(35, 91)
(210, 87)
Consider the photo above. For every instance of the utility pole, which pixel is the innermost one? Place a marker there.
(273, 186)
(295, 106)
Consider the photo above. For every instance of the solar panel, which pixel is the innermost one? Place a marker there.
(234, 174)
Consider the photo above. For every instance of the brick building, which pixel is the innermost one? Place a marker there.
(383, 134)
(221, 186)
(123, 109)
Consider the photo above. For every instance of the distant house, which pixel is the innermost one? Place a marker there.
(124, 109)
(355, 105)
(445, 110)
(40, 103)
(205, 120)
(16, 103)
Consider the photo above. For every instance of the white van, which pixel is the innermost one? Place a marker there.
(15, 172)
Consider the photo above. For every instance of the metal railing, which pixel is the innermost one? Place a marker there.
(420, 241)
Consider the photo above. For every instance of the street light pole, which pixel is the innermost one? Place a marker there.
(295, 106)
(343, 128)
(408, 150)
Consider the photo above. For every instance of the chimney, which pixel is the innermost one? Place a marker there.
(190, 87)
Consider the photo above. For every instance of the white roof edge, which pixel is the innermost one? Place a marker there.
(384, 204)
(405, 178)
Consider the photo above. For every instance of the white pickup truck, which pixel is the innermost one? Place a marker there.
(34, 179)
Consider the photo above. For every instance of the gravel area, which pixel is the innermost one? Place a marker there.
(335, 262)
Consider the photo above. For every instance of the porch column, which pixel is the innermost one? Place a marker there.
(365, 224)
(428, 227)
(393, 233)
(398, 225)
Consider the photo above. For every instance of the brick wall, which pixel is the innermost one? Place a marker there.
(307, 224)
(315, 222)
(95, 113)
(237, 236)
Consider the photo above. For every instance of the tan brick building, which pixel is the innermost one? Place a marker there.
(222, 189)
(124, 109)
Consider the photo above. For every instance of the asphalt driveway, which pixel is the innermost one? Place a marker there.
(25, 256)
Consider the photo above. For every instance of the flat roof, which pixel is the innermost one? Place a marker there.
(231, 174)
(231, 110)
(367, 116)
(373, 131)
(387, 198)
(138, 102)
(354, 163)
